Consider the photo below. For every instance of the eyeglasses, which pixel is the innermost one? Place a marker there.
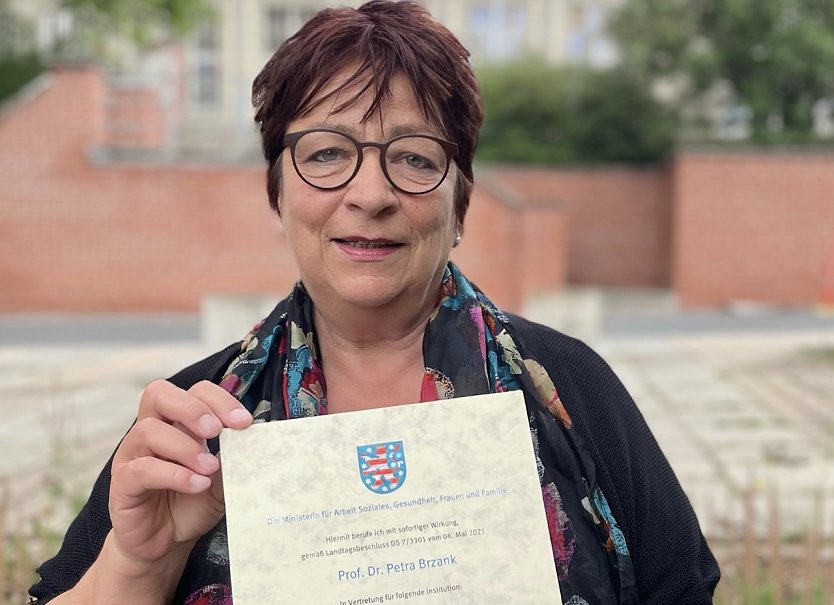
(329, 159)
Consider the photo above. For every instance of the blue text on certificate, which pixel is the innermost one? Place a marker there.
(395, 567)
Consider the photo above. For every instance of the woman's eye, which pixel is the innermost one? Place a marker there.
(327, 155)
(417, 161)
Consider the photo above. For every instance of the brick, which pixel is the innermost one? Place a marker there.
(752, 226)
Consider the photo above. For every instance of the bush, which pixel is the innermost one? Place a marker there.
(539, 114)
(17, 70)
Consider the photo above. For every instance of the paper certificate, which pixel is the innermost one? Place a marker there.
(435, 502)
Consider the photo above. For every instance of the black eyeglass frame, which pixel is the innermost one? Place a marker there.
(291, 139)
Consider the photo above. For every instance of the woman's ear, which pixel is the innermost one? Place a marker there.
(279, 218)
(279, 198)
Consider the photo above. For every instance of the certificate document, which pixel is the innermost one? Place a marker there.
(434, 502)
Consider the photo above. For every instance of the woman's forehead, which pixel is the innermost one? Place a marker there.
(352, 90)
(348, 100)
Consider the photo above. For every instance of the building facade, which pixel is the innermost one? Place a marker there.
(204, 85)
(225, 55)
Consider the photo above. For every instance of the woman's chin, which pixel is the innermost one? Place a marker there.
(367, 298)
(370, 293)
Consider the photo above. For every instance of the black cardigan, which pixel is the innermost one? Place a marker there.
(672, 562)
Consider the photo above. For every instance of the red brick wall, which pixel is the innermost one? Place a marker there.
(512, 253)
(544, 245)
(81, 236)
(76, 235)
(136, 119)
(753, 227)
(618, 217)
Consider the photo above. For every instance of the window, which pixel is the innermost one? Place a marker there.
(207, 37)
(204, 84)
(498, 31)
(587, 39)
(281, 23)
(54, 28)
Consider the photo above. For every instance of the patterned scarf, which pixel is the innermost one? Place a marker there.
(468, 349)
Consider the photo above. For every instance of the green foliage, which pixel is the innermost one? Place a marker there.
(778, 55)
(17, 70)
(104, 29)
(18, 62)
(140, 20)
(28, 535)
(539, 114)
(733, 591)
(13, 30)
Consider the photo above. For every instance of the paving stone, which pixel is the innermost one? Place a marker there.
(735, 413)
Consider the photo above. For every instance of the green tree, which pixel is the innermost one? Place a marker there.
(540, 114)
(103, 32)
(18, 61)
(777, 55)
(102, 29)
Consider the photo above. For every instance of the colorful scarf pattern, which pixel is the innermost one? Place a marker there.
(468, 349)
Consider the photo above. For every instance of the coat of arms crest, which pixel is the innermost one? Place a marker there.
(382, 466)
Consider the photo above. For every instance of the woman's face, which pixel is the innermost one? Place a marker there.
(367, 244)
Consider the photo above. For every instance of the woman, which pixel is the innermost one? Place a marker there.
(369, 120)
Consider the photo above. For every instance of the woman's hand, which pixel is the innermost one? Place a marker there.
(165, 490)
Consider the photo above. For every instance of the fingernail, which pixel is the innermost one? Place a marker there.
(239, 415)
(207, 461)
(199, 482)
(210, 425)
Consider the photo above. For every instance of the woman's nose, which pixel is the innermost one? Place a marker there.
(370, 190)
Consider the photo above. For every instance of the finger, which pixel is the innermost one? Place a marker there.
(217, 483)
(203, 409)
(227, 408)
(166, 401)
(141, 475)
(151, 437)
(198, 438)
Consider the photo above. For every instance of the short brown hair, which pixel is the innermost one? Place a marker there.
(384, 38)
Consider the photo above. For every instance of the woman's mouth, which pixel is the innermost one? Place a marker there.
(366, 244)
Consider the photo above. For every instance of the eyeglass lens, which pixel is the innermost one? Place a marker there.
(414, 164)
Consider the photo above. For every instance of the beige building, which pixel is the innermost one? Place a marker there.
(561, 31)
(211, 110)
(225, 56)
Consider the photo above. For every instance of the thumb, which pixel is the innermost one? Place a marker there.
(217, 483)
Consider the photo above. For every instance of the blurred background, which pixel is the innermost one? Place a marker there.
(655, 177)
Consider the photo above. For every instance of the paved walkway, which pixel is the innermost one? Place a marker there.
(731, 411)
(740, 412)
(64, 409)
